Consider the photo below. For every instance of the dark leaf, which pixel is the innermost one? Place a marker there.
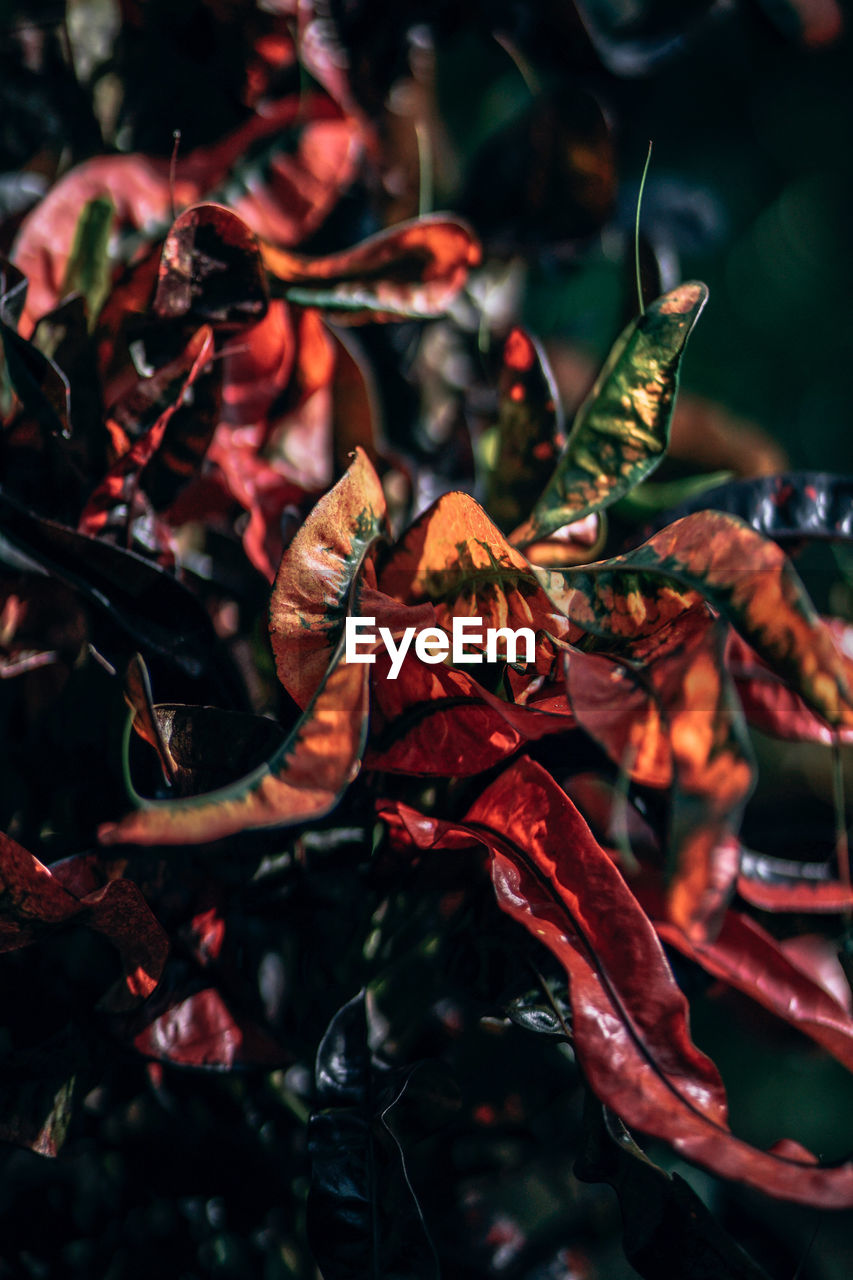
(149, 605)
(666, 1229)
(37, 1088)
(546, 177)
(211, 271)
(787, 508)
(208, 748)
(33, 902)
(631, 39)
(363, 1215)
(39, 383)
(814, 22)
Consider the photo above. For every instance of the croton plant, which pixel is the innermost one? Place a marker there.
(385, 970)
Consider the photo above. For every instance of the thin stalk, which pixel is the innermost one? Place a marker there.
(637, 230)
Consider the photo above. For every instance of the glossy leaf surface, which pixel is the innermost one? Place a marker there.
(749, 959)
(787, 508)
(358, 1166)
(629, 1021)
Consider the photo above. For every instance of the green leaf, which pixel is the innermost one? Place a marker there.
(88, 271)
(621, 431)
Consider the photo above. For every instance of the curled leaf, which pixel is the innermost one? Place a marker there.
(311, 596)
(304, 778)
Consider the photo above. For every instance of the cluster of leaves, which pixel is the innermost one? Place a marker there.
(336, 925)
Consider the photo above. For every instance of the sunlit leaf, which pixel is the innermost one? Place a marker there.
(455, 557)
(412, 270)
(747, 578)
(311, 596)
(621, 431)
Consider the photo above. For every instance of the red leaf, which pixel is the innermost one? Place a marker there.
(437, 721)
(176, 440)
(413, 269)
(771, 705)
(775, 884)
(666, 715)
(745, 576)
(201, 1031)
(629, 1019)
(33, 900)
(751, 961)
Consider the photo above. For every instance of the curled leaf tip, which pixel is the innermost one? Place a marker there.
(683, 300)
